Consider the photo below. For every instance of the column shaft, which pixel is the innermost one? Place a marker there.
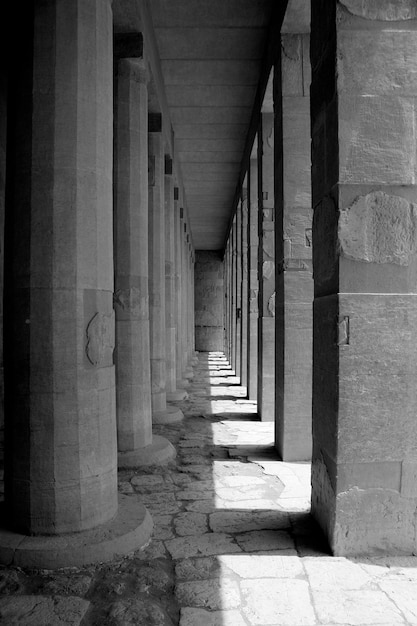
(171, 369)
(132, 355)
(294, 323)
(244, 291)
(61, 465)
(266, 271)
(365, 309)
(239, 290)
(157, 267)
(253, 290)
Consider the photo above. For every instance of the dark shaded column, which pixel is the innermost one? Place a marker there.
(365, 308)
(238, 290)
(61, 463)
(171, 312)
(293, 244)
(161, 413)
(253, 290)
(266, 270)
(244, 290)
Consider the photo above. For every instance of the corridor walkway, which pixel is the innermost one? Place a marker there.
(233, 543)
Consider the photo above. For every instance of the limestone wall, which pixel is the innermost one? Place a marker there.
(209, 298)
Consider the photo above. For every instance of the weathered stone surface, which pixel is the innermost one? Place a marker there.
(35, 610)
(271, 305)
(392, 57)
(402, 594)
(334, 573)
(292, 65)
(203, 545)
(379, 228)
(376, 139)
(210, 594)
(198, 568)
(265, 540)
(190, 524)
(268, 243)
(355, 607)
(138, 612)
(277, 601)
(247, 520)
(386, 10)
(264, 565)
(191, 617)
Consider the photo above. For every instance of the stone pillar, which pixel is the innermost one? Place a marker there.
(294, 318)
(233, 275)
(136, 444)
(181, 381)
(238, 336)
(253, 288)
(227, 301)
(3, 142)
(184, 299)
(161, 413)
(61, 464)
(172, 393)
(365, 308)
(244, 290)
(266, 270)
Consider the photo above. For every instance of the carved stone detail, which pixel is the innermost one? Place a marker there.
(384, 10)
(100, 338)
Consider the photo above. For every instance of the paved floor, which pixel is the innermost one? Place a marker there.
(233, 544)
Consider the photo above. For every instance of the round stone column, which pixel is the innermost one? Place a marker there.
(61, 451)
(136, 444)
(161, 413)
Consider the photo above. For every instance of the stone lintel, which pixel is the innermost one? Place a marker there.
(128, 46)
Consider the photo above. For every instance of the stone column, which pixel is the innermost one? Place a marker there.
(253, 289)
(365, 308)
(181, 381)
(136, 444)
(172, 393)
(61, 464)
(161, 413)
(233, 275)
(244, 290)
(266, 270)
(3, 143)
(238, 336)
(294, 319)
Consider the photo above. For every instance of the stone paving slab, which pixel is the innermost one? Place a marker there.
(233, 541)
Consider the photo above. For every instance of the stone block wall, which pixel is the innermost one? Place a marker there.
(209, 301)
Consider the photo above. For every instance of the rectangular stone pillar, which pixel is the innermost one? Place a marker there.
(61, 463)
(3, 143)
(244, 290)
(171, 369)
(131, 297)
(181, 382)
(253, 290)
(365, 309)
(293, 245)
(157, 263)
(238, 335)
(266, 270)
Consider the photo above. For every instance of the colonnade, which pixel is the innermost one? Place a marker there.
(331, 176)
(98, 322)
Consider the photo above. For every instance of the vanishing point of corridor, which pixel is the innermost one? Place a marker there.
(233, 543)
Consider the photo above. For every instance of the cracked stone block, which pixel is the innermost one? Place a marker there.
(190, 524)
(264, 565)
(356, 607)
(277, 601)
(265, 540)
(203, 545)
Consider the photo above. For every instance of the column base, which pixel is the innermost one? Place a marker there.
(159, 452)
(171, 415)
(129, 531)
(177, 395)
